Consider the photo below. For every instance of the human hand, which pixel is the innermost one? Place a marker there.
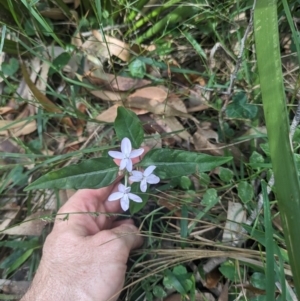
(84, 257)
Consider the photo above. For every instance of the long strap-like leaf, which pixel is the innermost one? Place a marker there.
(274, 104)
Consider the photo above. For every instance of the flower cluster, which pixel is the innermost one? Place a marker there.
(147, 177)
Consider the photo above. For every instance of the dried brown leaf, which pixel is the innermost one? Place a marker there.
(33, 225)
(109, 95)
(224, 294)
(202, 144)
(171, 124)
(16, 129)
(9, 217)
(111, 82)
(108, 115)
(212, 279)
(156, 94)
(5, 110)
(53, 13)
(115, 46)
(154, 100)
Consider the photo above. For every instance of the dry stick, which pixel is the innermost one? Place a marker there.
(214, 262)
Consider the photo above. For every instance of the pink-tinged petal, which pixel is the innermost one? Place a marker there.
(136, 153)
(129, 165)
(115, 196)
(136, 176)
(122, 188)
(124, 202)
(148, 171)
(143, 185)
(126, 146)
(135, 198)
(116, 155)
(123, 163)
(153, 179)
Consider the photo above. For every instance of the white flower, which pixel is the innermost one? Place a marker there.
(144, 177)
(124, 195)
(126, 154)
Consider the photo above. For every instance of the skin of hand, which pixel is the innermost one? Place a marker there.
(84, 257)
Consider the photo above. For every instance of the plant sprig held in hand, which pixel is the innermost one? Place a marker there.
(126, 155)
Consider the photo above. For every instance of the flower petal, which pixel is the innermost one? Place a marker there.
(129, 165)
(124, 202)
(126, 146)
(123, 163)
(153, 179)
(116, 155)
(115, 196)
(136, 152)
(143, 185)
(135, 198)
(136, 176)
(122, 188)
(127, 189)
(148, 171)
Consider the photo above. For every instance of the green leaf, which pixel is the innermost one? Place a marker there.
(195, 44)
(229, 271)
(256, 158)
(18, 176)
(175, 163)
(258, 280)
(12, 47)
(11, 67)
(92, 173)
(20, 260)
(10, 259)
(210, 198)
(239, 108)
(180, 282)
(59, 62)
(204, 179)
(127, 124)
(137, 68)
(245, 192)
(149, 296)
(265, 148)
(185, 182)
(225, 174)
(159, 292)
(180, 270)
(20, 244)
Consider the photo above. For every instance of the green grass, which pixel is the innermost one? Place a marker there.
(184, 219)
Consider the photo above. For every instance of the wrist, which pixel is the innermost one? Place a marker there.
(53, 287)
